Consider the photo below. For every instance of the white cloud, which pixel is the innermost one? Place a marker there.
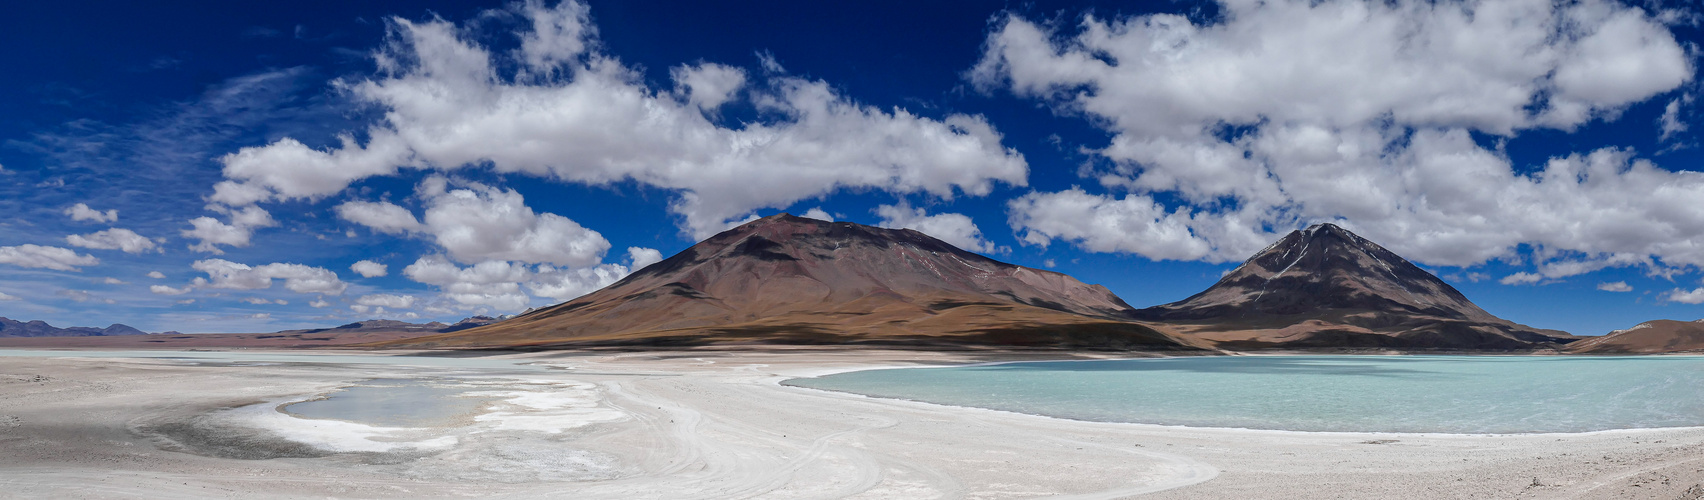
(1288, 112)
(1133, 224)
(1521, 278)
(369, 269)
(639, 257)
(113, 281)
(819, 214)
(166, 290)
(955, 229)
(1617, 286)
(577, 115)
(319, 303)
(1670, 122)
(477, 223)
(381, 216)
(297, 277)
(112, 239)
(81, 212)
(566, 284)
(392, 301)
(55, 258)
(480, 223)
(156, 275)
(4, 297)
(213, 233)
(84, 296)
(493, 283)
(265, 302)
(708, 85)
(1696, 296)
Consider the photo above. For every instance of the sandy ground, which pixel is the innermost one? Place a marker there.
(718, 425)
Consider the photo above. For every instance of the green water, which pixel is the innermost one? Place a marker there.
(1450, 394)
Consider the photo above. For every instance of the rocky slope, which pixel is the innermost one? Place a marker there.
(790, 280)
(1325, 287)
(14, 328)
(1650, 337)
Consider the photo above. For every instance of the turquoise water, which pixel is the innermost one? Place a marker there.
(1450, 394)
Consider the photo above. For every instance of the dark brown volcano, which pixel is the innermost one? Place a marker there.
(1325, 287)
(791, 280)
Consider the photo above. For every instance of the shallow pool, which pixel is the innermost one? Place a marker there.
(1451, 394)
(394, 403)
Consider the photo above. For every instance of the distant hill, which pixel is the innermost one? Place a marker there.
(376, 330)
(791, 280)
(1650, 337)
(14, 328)
(1326, 287)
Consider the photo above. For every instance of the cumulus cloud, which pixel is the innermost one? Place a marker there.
(156, 275)
(956, 229)
(166, 290)
(82, 212)
(474, 223)
(381, 216)
(369, 269)
(574, 114)
(112, 239)
(211, 232)
(37, 256)
(319, 303)
(297, 278)
(639, 257)
(493, 283)
(1616, 286)
(819, 214)
(392, 301)
(265, 302)
(1282, 113)
(113, 281)
(4, 297)
(1695, 296)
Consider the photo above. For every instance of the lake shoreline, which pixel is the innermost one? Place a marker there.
(695, 422)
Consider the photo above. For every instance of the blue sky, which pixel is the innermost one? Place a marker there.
(319, 163)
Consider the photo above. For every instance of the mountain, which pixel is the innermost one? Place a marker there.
(1325, 287)
(14, 328)
(373, 330)
(1650, 337)
(791, 280)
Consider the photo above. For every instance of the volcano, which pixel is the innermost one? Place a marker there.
(1326, 287)
(792, 280)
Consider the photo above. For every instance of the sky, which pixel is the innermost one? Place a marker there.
(231, 167)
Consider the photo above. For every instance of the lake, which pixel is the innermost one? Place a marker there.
(1440, 394)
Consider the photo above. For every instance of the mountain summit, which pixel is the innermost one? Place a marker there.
(1327, 287)
(792, 280)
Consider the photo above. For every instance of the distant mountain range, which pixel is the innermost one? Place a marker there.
(791, 280)
(1650, 337)
(13, 328)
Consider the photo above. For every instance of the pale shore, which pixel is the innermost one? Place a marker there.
(718, 424)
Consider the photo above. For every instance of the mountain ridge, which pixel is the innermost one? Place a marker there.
(791, 280)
